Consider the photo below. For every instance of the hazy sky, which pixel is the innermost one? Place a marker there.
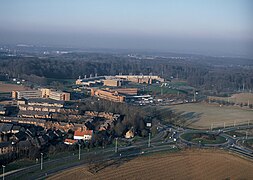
(221, 27)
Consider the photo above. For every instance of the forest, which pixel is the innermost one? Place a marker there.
(206, 73)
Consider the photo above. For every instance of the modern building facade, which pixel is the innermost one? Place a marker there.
(29, 94)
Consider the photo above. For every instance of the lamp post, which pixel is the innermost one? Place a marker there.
(79, 156)
(3, 170)
(41, 161)
(116, 145)
(149, 139)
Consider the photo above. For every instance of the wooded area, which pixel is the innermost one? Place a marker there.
(216, 75)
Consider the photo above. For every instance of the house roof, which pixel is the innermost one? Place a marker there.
(33, 113)
(82, 133)
(49, 101)
(5, 144)
(4, 127)
(37, 106)
(2, 108)
(16, 127)
(72, 141)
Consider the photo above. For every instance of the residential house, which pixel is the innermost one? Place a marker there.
(6, 147)
(70, 141)
(83, 135)
(2, 110)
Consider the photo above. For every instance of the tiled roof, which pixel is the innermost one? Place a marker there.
(40, 100)
(72, 141)
(33, 112)
(82, 133)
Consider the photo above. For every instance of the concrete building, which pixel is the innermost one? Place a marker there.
(84, 81)
(141, 78)
(127, 91)
(59, 95)
(113, 82)
(53, 94)
(108, 95)
(26, 94)
(45, 102)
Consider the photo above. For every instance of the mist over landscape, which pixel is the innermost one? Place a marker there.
(126, 89)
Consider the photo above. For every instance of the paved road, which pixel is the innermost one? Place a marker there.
(158, 143)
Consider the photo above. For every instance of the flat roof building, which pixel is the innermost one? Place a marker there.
(113, 82)
(108, 95)
(29, 94)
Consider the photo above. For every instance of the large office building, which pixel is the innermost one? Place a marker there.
(108, 95)
(41, 93)
(29, 94)
(56, 95)
(59, 95)
(141, 79)
(113, 82)
(127, 91)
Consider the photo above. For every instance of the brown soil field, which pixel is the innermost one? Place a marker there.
(203, 115)
(243, 97)
(236, 98)
(11, 87)
(191, 164)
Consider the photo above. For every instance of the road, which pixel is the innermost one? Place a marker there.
(168, 138)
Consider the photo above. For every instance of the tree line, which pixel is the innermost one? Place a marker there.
(200, 74)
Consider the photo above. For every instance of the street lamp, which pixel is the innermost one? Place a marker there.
(3, 170)
(149, 139)
(116, 145)
(41, 161)
(79, 156)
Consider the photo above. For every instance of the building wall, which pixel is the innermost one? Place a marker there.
(127, 91)
(141, 78)
(26, 94)
(45, 92)
(111, 96)
(112, 82)
(59, 95)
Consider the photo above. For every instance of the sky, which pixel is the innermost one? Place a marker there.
(212, 27)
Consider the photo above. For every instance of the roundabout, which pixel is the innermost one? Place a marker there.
(203, 138)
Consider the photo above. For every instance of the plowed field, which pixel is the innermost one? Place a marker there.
(197, 164)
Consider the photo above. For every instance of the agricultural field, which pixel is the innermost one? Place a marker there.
(4, 87)
(191, 164)
(244, 98)
(203, 115)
